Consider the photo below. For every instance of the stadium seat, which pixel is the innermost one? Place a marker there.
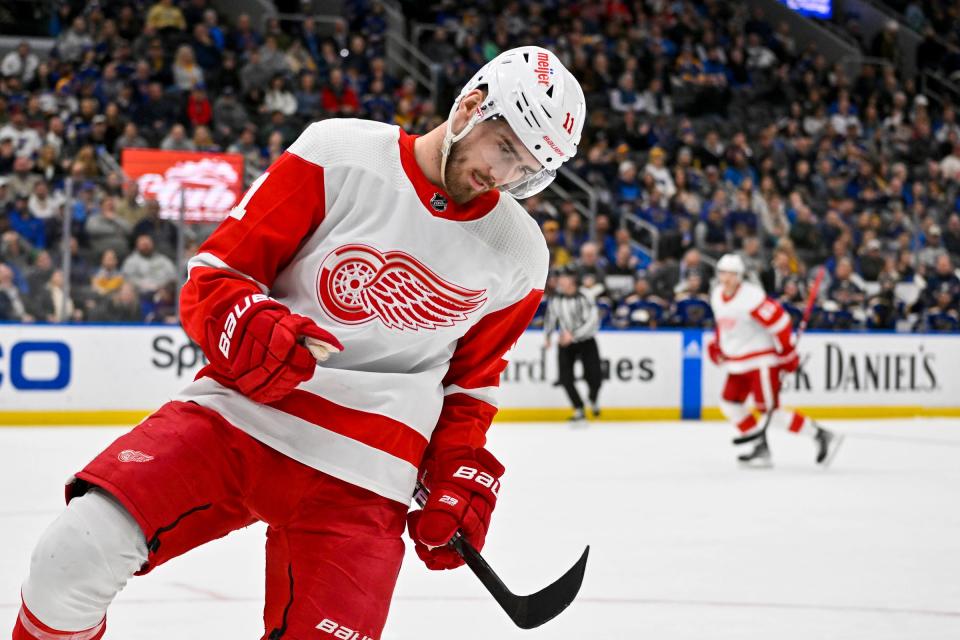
(606, 312)
(942, 323)
(694, 313)
(640, 314)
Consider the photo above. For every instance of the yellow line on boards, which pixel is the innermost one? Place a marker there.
(856, 412)
(613, 414)
(123, 417)
(131, 417)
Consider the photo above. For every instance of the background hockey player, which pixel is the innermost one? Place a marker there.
(574, 316)
(408, 266)
(754, 343)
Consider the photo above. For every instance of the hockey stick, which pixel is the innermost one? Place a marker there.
(807, 311)
(811, 300)
(527, 612)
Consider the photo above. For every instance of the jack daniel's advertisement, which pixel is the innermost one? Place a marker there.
(854, 371)
(860, 369)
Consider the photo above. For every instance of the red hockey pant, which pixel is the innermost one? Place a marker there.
(187, 477)
(763, 384)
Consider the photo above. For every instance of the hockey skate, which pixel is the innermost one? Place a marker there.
(759, 457)
(827, 445)
(578, 419)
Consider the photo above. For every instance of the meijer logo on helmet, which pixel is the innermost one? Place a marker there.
(543, 69)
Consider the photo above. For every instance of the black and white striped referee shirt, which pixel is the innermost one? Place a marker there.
(577, 314)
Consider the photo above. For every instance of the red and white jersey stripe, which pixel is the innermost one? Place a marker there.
(425, 295)
(751, 329)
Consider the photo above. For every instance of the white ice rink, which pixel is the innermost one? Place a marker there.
(684, 544)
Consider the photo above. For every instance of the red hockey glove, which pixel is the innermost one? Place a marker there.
(255, 348)
(713, 351)
(463, 488)
(790, 361)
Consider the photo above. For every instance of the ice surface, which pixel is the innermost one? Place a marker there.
(685, 545)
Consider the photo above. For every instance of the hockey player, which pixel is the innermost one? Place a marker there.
(405, 267)
(754, 343)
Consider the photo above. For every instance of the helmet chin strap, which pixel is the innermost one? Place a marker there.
(449, 138)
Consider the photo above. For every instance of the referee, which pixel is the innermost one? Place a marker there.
(574, 315)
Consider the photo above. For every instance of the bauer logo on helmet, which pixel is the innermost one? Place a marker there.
(553, 145)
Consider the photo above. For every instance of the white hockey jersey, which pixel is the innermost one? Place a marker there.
(425, 295)
(751, 329)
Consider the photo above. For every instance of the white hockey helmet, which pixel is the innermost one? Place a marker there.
(731, 263)
(541, 101)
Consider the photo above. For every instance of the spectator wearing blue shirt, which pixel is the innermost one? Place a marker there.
(942, 275)
(31, 229)
(742, 220)
(834, 228)
(211, 22)
(711, 234)
(628, 188)
(377, 104)
(739, 170)
(575, 233)
(625, 97)
(375, 23)
(656, 214)
(84, 205)
(244, 37)
(206, 52)
(605, 237)
(840, 252)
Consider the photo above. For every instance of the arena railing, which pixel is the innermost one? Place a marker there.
(633, 219)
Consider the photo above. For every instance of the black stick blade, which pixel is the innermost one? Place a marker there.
(531, 611)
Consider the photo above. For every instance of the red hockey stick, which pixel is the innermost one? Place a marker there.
(811, 300)
(807, 311)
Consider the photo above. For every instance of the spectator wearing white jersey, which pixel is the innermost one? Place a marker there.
(657, 168)
(20, 63)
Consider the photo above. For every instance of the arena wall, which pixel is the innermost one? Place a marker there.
(110, 374)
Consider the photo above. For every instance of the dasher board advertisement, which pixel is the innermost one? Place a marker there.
(207, 185)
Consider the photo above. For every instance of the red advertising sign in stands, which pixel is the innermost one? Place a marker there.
(210, 183)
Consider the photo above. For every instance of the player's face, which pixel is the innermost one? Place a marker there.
(489, 157)
(729, 281)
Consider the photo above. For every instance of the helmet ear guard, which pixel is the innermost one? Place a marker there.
(540, 100)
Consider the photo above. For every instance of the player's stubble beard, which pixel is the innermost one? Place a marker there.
(457, 183)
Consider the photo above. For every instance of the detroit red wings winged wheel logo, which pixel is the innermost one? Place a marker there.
(357, 284)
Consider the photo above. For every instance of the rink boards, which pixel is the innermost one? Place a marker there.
(97, 374)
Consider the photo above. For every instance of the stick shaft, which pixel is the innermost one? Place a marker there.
(811, 301)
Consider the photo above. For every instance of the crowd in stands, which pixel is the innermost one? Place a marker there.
(171, 75)
(711, 129)
(937, 21)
